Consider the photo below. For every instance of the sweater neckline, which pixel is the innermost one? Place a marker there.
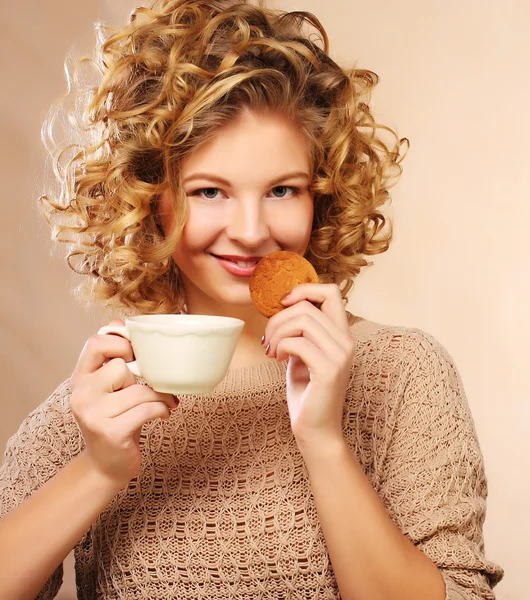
(253, 377)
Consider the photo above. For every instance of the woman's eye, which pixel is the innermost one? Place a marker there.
(209, 193)
(280, 191)
(284, 191)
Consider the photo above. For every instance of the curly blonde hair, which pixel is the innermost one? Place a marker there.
(167, 81)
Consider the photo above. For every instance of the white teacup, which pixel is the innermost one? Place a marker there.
(180, 354)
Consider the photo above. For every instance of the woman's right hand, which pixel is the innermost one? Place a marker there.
(111, 408)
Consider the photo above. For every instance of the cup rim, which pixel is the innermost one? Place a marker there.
(202, 321)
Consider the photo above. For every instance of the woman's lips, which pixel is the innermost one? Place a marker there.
(233, 268)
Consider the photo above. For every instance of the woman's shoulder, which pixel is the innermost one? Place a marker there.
(46, 441)
(49, 426)
(397, 359)
(412, 344)
(56, 407)
(403, 380)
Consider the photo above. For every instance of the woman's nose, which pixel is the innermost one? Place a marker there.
(247, 224)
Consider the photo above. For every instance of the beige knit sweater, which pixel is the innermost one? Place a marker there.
(222, 507)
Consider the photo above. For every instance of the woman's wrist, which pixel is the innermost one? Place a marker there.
(100, 481)
(321, 448)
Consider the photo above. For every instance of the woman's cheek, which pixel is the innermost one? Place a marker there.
(283, 220)
(203, 226)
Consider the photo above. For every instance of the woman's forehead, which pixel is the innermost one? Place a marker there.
(253, 146)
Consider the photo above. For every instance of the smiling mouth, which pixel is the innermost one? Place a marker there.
(241, 263)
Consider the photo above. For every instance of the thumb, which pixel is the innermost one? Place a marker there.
(118, 322)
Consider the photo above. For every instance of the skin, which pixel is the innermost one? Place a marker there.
(371, 558)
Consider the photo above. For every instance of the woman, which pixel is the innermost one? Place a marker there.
(338, 457)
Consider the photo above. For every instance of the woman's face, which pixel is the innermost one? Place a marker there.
(248, 193)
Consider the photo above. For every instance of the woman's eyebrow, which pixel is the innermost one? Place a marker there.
(225, 182)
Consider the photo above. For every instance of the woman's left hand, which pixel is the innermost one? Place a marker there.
(320, 349)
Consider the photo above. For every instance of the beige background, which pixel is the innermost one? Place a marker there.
(454, 79)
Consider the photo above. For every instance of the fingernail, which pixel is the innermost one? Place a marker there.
(267, 348)
(262, 339)
(285, 297)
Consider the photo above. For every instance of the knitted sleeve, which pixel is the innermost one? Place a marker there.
(433, 483)
(44, 443)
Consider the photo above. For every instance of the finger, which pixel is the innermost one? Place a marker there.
(117, 323)
(340, 336)
(304, 325)
(113, 376)
(302, 307)
(312, 357)
(99, 349)
(126, 399)
(327, 295)
(133, 419)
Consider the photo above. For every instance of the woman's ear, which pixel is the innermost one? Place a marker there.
(164, 209)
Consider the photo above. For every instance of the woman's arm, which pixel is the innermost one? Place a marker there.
(46, 441)
(37, 536)
(48, 498)
(371, 558)
(431, 487)
(433, 481)
(431, 492)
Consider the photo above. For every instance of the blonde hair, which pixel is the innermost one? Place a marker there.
(167, 81)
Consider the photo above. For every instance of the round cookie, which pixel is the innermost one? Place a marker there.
(276, 275)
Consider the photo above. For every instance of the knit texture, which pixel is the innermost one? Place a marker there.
(222, 507)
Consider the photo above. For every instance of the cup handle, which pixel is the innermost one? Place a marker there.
(122, 331)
